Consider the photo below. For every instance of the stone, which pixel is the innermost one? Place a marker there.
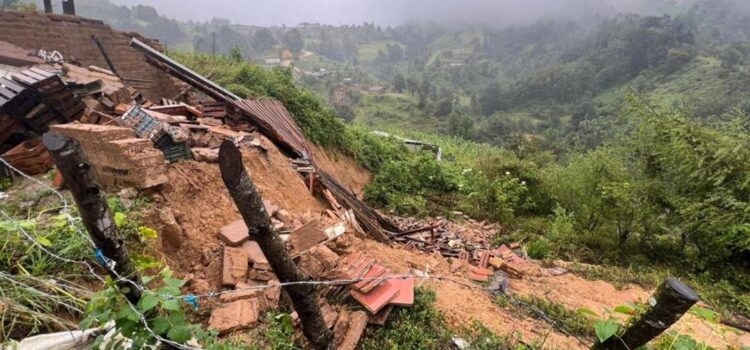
(171, 231)
(254, 253)
(273, 294)
(234, 234)
(285, 217)
(329, 315)
(235, 316)
(357, 324)
(270, 208)
(342, 325)
(200, 286)
(457, 265)
(242, 291)
(234, 266)
(307, 236)
(317, 261)
(381, 317)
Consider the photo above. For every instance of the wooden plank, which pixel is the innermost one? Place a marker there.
(41, 72)
(7, 94)
(10, 85)
(33, 75)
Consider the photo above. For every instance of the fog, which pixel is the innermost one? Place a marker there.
(394, 12)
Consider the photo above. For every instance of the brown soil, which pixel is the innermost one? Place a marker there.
(575, 292)
(343, 168)
(463, 305)
(198, 200)
(196, 196)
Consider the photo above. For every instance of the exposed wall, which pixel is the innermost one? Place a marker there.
(71, 36)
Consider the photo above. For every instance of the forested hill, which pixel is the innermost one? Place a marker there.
(557, 83)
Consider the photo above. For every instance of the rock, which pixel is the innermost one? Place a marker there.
(208, 155)
(207, 256)
(457, 265)
(285, 217)
(317, 261)
(342, 325)
(234, 234)
(357, 324)
(234, 266)
(254, 253)
(171, 231)
(270, 208)
(273, 294)
(236, 315)
(239, 293)
(200, 286)
(557, 271)
(128, 193)
(329, 315)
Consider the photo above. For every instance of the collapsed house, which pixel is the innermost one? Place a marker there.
(136, 113)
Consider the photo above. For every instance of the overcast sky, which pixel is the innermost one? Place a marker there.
(383, 12)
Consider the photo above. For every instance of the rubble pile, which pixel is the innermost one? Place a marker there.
(466, 244)
(245, 266)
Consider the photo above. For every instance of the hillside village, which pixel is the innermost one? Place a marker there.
(142, 197)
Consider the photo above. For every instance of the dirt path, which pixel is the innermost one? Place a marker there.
(463, 305)
(575, 292)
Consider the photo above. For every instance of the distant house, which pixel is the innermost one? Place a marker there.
(376, 90)
(414, 145)
(273, 60)
(286, 55)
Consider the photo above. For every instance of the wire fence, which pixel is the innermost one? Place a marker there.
(193, 299)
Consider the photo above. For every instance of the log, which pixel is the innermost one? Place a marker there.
(670, 301)
(250, 204)
(94, 210)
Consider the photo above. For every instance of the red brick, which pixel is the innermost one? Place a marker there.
(307, 236)
(357, 324)
(478, 277)
(371, 279)
(381, 317)
(378, 297)
(254, 253)
(405, 295)
(234, 316)
(239, 293)
(234, 266)
(234, 234)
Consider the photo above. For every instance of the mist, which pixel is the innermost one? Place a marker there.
(394, 12)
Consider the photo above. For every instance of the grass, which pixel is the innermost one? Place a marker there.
(575, 323)
(727, 298)
(38, 292)
(424, 327)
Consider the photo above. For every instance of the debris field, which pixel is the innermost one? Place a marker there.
(148, 124)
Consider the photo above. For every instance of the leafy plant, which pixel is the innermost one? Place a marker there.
(160, 309)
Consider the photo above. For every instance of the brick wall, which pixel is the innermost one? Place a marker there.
(71, 36)
(118, 158)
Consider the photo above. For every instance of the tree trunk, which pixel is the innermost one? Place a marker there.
(670, 301)
(250, 205)
(94, 210)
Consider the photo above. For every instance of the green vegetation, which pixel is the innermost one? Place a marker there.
(423, 327)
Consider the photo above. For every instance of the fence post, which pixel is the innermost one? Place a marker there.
(250, 204)
(670, 301)
(94, 210)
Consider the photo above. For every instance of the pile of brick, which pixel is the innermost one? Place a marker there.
(29, 157)
(244, 266)
(117, 156)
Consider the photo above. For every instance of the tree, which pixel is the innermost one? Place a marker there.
(399, 83)
(8, 4)
(293, 40)
(263, 40)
